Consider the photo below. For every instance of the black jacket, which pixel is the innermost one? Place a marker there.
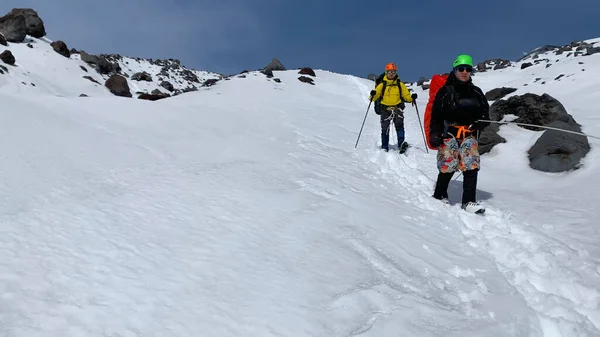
(459, 103)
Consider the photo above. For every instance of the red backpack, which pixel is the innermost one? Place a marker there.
(437, 81)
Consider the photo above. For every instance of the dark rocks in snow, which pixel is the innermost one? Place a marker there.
(526, 65)
(117, 84)
(492, 64)
(100, 63)
(274, 66)
(530, 108)
(268, 73)
(154, 96)
(489, 137)
(277, 80)
(167, 85)
(372, 77)
(592, 51)
(83, 95)
(34, 24)
(498, 93)
(13, 28)
(307, 71)
(3, 69)
(554, 151)
(210, 82)
(3, 40)
(83, 68)
(61, 48)
(306, 80)
(142, 76)
(20, 22)
(557, 151)
(7, 57)
(87, 77)
(421, 81)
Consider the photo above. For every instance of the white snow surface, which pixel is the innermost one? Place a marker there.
(243, 209)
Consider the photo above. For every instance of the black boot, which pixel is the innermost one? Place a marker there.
(469, 186)
(441, 185)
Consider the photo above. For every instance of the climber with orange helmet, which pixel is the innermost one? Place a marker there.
(389, 96)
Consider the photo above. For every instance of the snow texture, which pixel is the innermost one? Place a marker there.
(243, 209)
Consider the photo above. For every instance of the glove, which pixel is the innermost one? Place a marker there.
(436, 140)
(414, 96)
(373, 92)
(477, 126)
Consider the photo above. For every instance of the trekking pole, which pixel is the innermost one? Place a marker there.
(422, 131)
(363, 124)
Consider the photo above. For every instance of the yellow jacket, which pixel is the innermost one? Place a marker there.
(393, 92)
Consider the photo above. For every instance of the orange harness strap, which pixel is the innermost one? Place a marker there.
(462, 131)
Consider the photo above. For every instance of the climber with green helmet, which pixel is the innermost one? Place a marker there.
(454, 130)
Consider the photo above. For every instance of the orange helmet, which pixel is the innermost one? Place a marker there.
(391, 66)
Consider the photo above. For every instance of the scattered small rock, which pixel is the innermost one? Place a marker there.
(277, 80)
(83, 68)
(3, 40)
(306, 80)
(61, 48)
(87, 77)
(268, 73)
(307, 71)
(526, 65)
(83, 95)
(7, 57)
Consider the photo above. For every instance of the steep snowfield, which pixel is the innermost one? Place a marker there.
(244, 209)
(39, 69)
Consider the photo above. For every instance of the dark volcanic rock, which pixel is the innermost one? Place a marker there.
(557, 151)
(117, 84)
(498, 93)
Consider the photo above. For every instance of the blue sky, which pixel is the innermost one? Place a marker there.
(345, 36)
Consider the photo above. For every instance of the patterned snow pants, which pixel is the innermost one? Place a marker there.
(456, 155)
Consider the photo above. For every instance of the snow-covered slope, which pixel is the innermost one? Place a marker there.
(244, 209)
(39, 69)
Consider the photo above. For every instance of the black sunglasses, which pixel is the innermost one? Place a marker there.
(463, 68)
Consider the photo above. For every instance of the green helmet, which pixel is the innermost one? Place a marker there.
(463, 59)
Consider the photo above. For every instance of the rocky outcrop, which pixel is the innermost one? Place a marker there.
(274, 66)
(7, 57)
(498, 93)
(100, 63)
(13, 28)
(167, 85)
(154, 96)
(554, 151)
(117, 84)
(20, 22)
(142, 76)
(557, 151)
(3, 40)
(492, 64)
